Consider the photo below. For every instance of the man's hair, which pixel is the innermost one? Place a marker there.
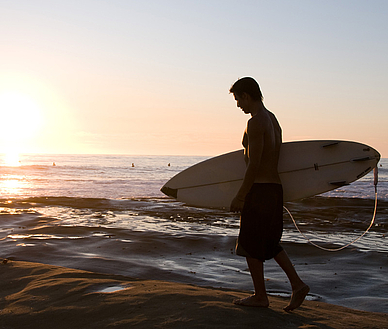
(247, 85)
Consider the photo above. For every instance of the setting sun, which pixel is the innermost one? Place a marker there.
(20, 115)
(11, 158)
(21, 119)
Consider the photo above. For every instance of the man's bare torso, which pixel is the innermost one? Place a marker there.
(272, 140)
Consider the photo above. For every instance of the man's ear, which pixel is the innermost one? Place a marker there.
(245, 96)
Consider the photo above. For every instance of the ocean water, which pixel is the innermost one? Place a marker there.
(106, 213)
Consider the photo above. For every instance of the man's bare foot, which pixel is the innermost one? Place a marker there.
(253, 300)
(297, 298)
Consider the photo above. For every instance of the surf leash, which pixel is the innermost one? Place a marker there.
(375, 182)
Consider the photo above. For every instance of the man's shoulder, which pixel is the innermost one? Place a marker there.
(260, 120)
(254, 122)
(256, 127)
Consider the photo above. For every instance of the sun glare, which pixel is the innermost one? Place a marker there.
(20, 116)
(11, 159)
(20, 120)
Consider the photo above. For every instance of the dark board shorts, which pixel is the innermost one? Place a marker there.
(261, 223)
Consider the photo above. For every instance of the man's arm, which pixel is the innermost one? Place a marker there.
(255, 150)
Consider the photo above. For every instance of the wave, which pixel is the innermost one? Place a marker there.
(316, 213)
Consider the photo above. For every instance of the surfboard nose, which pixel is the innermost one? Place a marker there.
(172, 192)
(375, 154)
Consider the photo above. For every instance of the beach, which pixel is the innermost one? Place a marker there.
(35, 295)
(103, 103)
(91, 223)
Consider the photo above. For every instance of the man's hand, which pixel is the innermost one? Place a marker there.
(237, 205)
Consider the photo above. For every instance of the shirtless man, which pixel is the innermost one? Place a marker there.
(260, 198)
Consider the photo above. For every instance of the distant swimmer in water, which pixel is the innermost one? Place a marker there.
(54, 164)
(133, 165)
(169, 165)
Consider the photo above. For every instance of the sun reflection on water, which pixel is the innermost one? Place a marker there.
(10, 185)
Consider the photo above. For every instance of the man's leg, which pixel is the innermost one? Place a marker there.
(259, 299)
(299, 288)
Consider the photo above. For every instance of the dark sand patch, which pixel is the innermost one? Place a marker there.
(34, 295)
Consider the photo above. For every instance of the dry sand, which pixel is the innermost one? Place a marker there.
(33, 295)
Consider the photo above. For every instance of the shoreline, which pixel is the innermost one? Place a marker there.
(34, 294)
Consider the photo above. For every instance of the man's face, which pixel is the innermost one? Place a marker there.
(241, 101)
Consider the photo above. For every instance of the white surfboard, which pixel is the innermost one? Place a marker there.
(306, 168)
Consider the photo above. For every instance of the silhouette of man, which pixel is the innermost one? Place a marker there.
(260, 197)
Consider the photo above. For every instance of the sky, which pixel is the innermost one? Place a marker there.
(153, 77)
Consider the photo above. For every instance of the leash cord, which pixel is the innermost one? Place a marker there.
(350, 243)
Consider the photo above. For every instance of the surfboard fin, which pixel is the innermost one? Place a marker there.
(331, 144)
(339, 183)
(173, 192)
(362, 159)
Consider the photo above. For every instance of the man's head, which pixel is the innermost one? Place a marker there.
(247, 94)
(249, 86)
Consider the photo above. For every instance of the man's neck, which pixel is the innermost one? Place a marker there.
(257, 107)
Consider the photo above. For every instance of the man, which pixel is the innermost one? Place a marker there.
(260, 198)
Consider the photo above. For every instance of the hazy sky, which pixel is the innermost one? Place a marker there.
(152, 77)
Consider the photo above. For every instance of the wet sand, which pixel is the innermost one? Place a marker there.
(349, 278)
(34, 295)
(160, 240)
